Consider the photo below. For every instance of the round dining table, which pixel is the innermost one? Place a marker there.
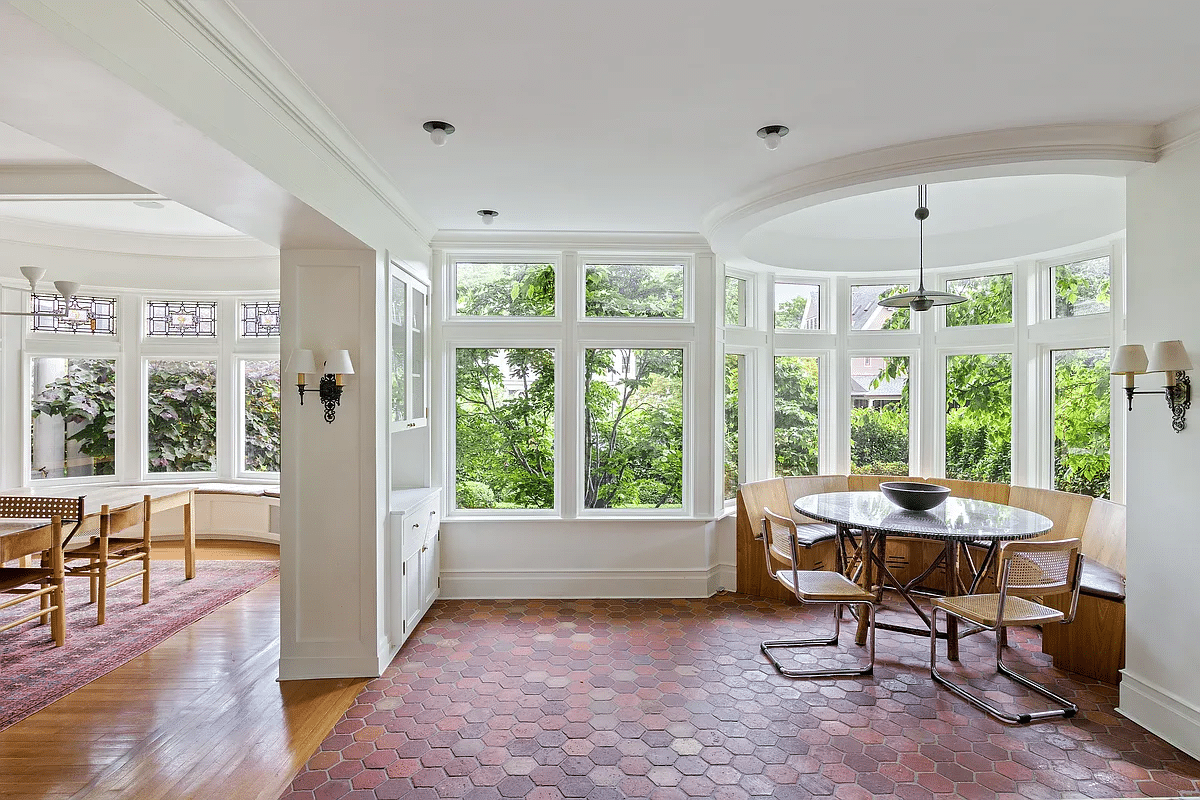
(956, 523)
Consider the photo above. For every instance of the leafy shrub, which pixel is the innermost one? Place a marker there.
(474, 494)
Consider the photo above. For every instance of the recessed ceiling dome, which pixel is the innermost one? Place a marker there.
(974, 222)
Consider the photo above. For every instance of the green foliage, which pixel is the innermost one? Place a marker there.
(979, 417)
(1081, 421)
(182, 416)
(879, 440)
(262, 416)
(732, 413)
(474, 494)
(85, 397)
(790, 313)
(1084, 287)
(989, 300)
(505, 426)
(733, 301)
(796, 433)
(506, 290)
(634, 291)
(633, 428)
(900, 318)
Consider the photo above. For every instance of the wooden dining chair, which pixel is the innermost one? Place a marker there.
(107, 552)
(822, 587)
(44, 584)
(1029, 572)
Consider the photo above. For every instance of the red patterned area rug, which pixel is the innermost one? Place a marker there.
(34, 673)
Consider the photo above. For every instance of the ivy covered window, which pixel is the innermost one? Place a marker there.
(735, 301)
(867, 315)
(1081, 386)
(86, 315)
(72, 424)
(979, 417)
(504, 290)
(180, 318)
(260, 408)
(796, 415)
(260, 319)
(504, 428)
(632, 290)
(181, 399)
(989, 300)
(879, 415)
(1081, 288)
(633, 428)
(797, 306)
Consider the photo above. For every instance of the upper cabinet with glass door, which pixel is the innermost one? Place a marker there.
(409, 404)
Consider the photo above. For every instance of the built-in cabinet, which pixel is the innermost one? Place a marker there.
(413, 560)
(409, 303)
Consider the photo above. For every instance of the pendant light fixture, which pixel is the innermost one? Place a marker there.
(921, 300)
(66, 290)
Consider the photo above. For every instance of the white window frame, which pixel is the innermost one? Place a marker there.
(239, 361)
(824, 407)
(688, 263)
(450, 299)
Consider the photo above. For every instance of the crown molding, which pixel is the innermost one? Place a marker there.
(1178, 132)
(569, 240)
(1087, 149)
(66, 182)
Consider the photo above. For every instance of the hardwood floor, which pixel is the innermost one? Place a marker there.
(199, 716)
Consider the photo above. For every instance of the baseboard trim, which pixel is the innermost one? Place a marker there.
(575, 584)
(1161, 712)
(302, 668)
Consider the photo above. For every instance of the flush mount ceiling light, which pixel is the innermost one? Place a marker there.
(487, 215)
(921, 300)
(148, 204)
(771, 134)
(438, 131)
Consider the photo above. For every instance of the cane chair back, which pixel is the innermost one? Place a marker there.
(69, 509)
(1039, 568)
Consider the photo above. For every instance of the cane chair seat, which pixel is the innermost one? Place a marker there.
(12, 577)
(823, 587)
(981, 609)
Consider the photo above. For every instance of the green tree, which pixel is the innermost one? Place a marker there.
(634, 291)
(796, 415)
(989, 301)
(1081, 421)
(263, 416)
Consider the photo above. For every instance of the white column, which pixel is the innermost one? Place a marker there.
(333, 498)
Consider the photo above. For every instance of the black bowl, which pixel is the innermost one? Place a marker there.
(913, 496)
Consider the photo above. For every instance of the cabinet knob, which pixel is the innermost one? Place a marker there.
(416, 524)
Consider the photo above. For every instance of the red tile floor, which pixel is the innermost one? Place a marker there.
(672, 699)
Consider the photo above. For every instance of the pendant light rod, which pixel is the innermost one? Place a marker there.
(921, 300)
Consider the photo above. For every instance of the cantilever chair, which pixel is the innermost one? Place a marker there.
(106, 552)
(44, 584)
(1028, 572)
(817, 587)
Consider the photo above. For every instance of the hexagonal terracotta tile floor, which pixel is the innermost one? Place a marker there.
(667, 699)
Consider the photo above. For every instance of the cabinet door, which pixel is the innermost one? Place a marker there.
(412, 592)
(398, 368)
(430, 570)
(418, 304)
(409, 307)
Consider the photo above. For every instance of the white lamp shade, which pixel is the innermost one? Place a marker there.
(302, 361)
(338, 363)
(67, 289)
(33, 275)
(1168, 357)
(1130, 359)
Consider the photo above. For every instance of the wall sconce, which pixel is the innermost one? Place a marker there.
(1167, 357)
(336, 367)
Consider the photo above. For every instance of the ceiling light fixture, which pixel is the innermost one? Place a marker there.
(66, 289)
(921, 300)
(148, 204)
(771, 134)
(488, 215)
(438, 131)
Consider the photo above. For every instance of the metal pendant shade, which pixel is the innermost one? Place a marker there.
(921, 299)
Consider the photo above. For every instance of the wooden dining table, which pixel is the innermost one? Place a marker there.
(119, 497)
(957, 523)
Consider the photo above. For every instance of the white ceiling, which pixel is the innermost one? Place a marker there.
(168, 218)
(634, 115)
(20, 148)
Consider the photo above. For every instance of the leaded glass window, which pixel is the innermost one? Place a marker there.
(180, 318)
(260, 319)
(90, 315)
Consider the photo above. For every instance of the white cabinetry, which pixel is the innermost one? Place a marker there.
(409, 304)
(413, 558)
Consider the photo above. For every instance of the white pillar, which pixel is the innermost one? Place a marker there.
(333, 498)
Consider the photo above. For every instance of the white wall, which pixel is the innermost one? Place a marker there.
(1160, 689)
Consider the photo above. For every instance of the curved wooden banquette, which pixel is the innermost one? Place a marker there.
(1092, 645)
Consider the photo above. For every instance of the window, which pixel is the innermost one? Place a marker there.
(399, 372)
(181, 399)
(182, 318)
(867, 315)
(260, 319)
(989, 300)
(504, 290)
(633, 428)
(796, 415)
(87, 315)
(979, 417)
(735, 301)
(73, 417)
(734, 367)
(260, 408)
(797, 306)
(630, 290)
(1080, 421)
(1081, 288)
(879, 415)
(504, 428)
